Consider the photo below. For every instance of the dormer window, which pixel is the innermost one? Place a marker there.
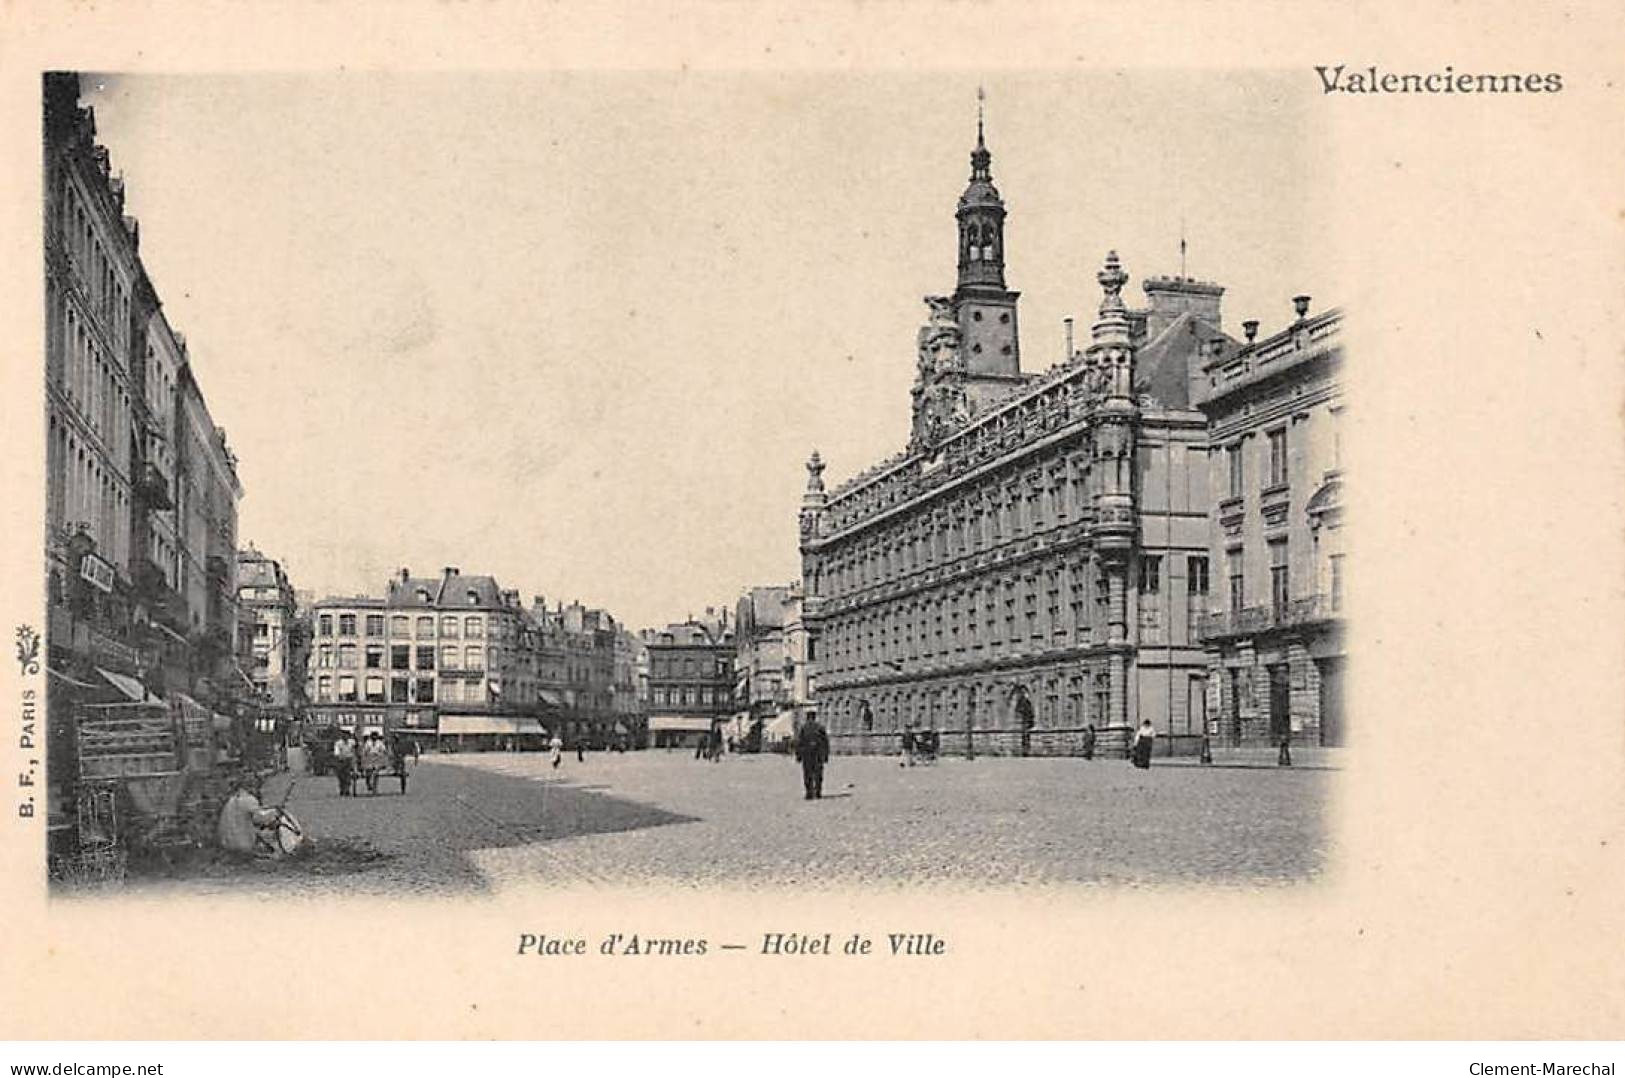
(423, 595)
(473, 597)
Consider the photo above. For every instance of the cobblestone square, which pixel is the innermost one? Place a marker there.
(491, 821)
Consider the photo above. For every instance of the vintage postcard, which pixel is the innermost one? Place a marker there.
(919, 520)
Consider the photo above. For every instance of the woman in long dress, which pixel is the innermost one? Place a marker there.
(1144, 739)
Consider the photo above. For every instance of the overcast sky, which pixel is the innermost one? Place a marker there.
(581, 331)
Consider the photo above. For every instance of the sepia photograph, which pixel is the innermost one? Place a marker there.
(377, 560)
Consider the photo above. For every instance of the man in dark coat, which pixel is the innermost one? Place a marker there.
(812, 749)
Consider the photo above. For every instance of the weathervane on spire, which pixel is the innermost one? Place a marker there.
(981, 96)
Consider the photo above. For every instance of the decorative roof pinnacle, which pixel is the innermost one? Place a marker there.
(1111, 278)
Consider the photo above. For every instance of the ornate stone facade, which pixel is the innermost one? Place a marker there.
(1275, 638)
(1024, 568)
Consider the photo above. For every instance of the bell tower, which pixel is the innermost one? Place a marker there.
(985, 308)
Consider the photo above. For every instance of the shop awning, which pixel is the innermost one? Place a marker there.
(679, 723)
(552, 699)
(489, 724)
(128, 685)
(782, 726)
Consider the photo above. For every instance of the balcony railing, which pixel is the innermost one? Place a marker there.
(1309, 610)
(152, 487)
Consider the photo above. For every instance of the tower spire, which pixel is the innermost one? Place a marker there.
(983, 306)
(980, 159)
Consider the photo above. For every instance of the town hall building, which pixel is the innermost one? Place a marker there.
(1038, 559)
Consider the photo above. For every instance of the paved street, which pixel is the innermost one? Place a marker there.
(484, 822)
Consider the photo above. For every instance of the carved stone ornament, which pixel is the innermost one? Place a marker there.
(1111, 278)
(939, 339)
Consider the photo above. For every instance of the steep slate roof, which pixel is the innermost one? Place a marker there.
(449, 589)
(1163, 365)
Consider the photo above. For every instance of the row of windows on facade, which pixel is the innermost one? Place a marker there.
(689, 696)
(1276, 460)
(979, 521)
(689, 666)
(990, 437)
(1058, 702)
(95, 271)
(373, 690)
(916, 631)
(1280, 577)
(401, 625)
(83, 489)
(405, 657)
(92, 380)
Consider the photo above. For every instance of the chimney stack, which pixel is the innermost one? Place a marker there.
(1171, 297)
(1069, 350)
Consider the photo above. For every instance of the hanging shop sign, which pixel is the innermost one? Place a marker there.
(97, 571)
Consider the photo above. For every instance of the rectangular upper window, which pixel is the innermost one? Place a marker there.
(1196, 575)
(1278, 460)
(1150, 574)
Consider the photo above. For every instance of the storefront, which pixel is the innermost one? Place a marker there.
(484, 733)
(678, 731)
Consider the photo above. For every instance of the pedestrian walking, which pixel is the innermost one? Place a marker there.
(1144, 740)
(374, 759)
(1089, 742)
(557, 746)
(908, 743)
(581, 752)
(344, 761)
(812, 749)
